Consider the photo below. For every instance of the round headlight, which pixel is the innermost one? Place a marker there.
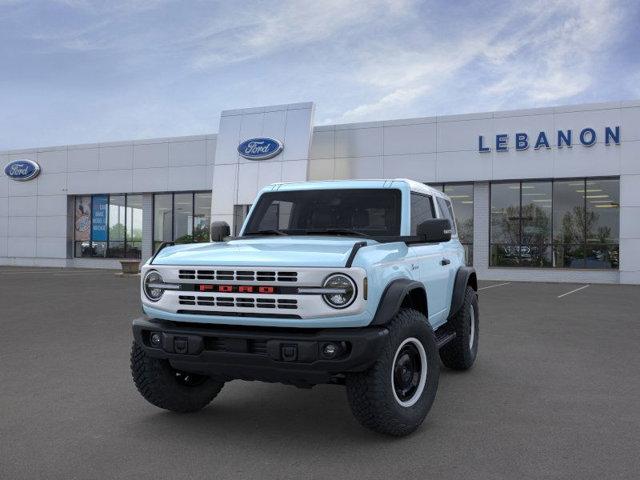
(343, 291)
(149, 285)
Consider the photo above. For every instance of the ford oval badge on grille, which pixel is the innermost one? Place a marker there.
(22, 170)
(260, 148)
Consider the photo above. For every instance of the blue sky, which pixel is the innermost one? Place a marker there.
(76, 71)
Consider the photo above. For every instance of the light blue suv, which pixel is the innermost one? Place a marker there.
(359, 283)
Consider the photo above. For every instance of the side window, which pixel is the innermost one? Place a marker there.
(421, 210)
(447, 211)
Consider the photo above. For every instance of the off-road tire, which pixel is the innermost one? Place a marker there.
(459, 354)
(158, 383)
(371, 393)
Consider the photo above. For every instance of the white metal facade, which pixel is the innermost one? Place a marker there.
(36, 216)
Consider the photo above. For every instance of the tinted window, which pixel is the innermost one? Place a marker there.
(421, 210)
(369, 211)
(447, 211)
(240, 213)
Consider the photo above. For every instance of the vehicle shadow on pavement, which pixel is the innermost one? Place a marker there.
(265, 411)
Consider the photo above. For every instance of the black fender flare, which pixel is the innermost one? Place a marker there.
(464, 276)
(393, 296)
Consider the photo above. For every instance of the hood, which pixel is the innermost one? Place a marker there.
(289, 251)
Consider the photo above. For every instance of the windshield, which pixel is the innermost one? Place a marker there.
(359, 212)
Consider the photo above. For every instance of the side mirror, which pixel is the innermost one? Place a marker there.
(219, 231)
(435, 230)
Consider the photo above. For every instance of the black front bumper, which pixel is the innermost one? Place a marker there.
(284, 355)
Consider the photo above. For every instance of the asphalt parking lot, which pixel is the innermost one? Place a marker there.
(554, 394)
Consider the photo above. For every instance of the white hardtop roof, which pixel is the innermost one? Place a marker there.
(413, 185)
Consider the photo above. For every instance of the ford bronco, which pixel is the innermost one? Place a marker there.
(361, 283)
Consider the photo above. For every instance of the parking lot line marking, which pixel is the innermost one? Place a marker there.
(494, 285)
(573, 291)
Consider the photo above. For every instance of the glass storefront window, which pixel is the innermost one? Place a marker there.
(563, 224)
(568, 223)
(162, 219)
(603, 223)
(505, 224)
(108, 226)
(535, 241)
(182, 217)
(461, 195)
(82, 226)
(117, 220)
(201, 216)
(134, 226)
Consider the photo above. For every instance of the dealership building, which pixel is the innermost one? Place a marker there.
(547, 194)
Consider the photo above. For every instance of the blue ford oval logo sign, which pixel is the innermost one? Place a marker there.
(260, 148)
(22, 170)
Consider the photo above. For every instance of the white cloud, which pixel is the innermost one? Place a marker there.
(398, 98)
(543, 52)
(404, 77)
(259, 32)
(127, 69)
(552, 60)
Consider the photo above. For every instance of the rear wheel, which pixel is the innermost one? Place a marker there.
(461, 352)
(394, 396)
(165, 387)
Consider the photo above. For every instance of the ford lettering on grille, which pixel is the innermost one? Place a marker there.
(236, 288)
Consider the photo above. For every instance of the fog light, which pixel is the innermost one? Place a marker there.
(156, 339)
(330, 350)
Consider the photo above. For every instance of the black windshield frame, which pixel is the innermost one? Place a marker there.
(364, 212)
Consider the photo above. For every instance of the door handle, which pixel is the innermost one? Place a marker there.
(445, 261)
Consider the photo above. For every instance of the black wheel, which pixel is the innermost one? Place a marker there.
(461, 352)
(165, 387)
(394, 396)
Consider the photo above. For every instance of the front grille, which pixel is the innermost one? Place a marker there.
(238, 275)
(238, 302)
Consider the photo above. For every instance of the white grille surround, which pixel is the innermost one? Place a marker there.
(289, 304)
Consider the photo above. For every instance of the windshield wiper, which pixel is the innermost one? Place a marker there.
(337, 231)
(268, 232)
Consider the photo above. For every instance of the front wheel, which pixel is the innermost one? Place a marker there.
(165, 387)
(394, 396)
